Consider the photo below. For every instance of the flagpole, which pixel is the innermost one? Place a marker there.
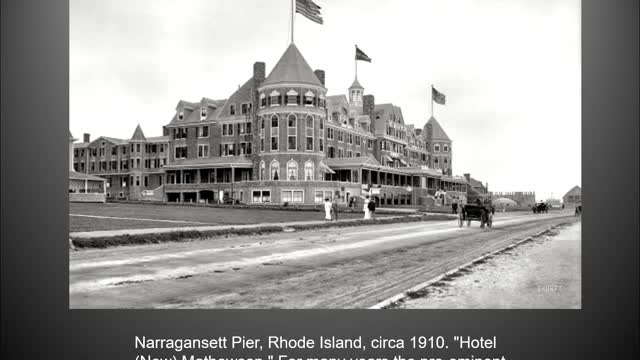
(356, 61)
(431, 100)
(293, 16)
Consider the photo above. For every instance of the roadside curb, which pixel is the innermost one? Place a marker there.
(402, 296)
(121, 238)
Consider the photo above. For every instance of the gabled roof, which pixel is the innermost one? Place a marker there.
(292, 68)
(390, 109)
(356, 84)
(138, 135)
(242, 95)
(438, 132)
(574, 190)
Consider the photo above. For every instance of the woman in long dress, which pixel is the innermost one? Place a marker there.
(327, 209)
(365, 207)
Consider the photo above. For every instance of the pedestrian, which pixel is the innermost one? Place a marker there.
(352, 201)
(365, 208)
(372, 209)
(334, 207)
(327, 209)
(454, 208)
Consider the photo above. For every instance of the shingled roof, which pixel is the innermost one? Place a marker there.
(438, 131)
(292, 68)
(138, 134)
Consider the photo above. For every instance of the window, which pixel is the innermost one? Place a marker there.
(146, 181)
(340, 136)
(261, 196)
(309, 133)
(245, 109)
(232, 109)
(292, 132)
(203, 151)
(349, 153)
(203, 131)
(308, 170)
(320, 195)
(181, 115)
(241, 128)
(445, 148)
(292, 170)
(263, 100)
(262, 170)
(227, 150)
(114, 151)
(330, 133)
(369, 144)
(331, 152)
(292, 97)
(275, 169)
(203, 113)
(292, 196)
(275, 98)
(436, 148)
(248, 127)
(309, 99)
(321, 145)
(137, 148)
(181, 152)
(274, 132)
(340, 153)
(321, 101)
(358, 154)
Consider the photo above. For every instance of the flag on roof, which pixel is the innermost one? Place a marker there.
(437, 96)
(310, 10)
(360, 55)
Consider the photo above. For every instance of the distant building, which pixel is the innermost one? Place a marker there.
(84, 187)
(522, 198)
(572, 197)
(439, 145)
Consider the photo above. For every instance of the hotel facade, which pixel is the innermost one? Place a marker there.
(279, 139)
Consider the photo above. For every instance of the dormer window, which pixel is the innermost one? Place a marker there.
(232, 109)
(263, 100)
(181, 115)
(275, 98)
(246, 108)
(203, 113)
(292, 97)
(309, 98)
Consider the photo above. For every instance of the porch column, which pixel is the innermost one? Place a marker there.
(86, 186)
(198, 180)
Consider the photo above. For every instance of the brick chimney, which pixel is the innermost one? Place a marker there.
(86, 138)
(320, 75)
(368, 104)
(467, 176)
(259, 71)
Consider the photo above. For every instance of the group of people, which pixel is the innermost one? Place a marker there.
(331, 208)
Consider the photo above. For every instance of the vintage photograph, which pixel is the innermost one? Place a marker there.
(325, 154)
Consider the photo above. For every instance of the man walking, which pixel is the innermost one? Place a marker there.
(334, 207)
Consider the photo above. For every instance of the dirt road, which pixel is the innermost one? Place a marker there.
(331, 268)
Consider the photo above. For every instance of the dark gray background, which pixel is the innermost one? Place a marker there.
(36, 321)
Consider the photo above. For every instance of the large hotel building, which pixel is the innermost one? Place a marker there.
(279, 139)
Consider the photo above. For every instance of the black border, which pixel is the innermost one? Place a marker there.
(37, 323)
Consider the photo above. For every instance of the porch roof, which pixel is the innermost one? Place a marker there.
(216, 162)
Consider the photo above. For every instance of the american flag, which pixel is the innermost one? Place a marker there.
(310, 10)
(437, 96)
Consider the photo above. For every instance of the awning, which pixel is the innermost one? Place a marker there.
(325, 169)
(403, 162)
(387, 158)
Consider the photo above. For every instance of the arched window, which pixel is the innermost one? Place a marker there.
(309, 133)
(275, 170)
(308, 170)
(263, 100)
(292, 170)
(262, 170)
(292, 132)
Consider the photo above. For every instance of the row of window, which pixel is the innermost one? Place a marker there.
(245, 109)
(123, 165)
(436, 148)
(225, 130)
(292, 98)
(230, 149)
(148, 149)
(291, 171)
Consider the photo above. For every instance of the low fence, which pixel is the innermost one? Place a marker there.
(87, 197)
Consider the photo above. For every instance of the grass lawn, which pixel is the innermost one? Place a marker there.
(138, 216)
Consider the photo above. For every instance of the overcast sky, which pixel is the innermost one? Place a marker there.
(511, 70)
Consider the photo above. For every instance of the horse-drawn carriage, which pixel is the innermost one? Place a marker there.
(476, 212)
(540, 208)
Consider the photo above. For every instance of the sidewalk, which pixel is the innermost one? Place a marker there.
(543, 274)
